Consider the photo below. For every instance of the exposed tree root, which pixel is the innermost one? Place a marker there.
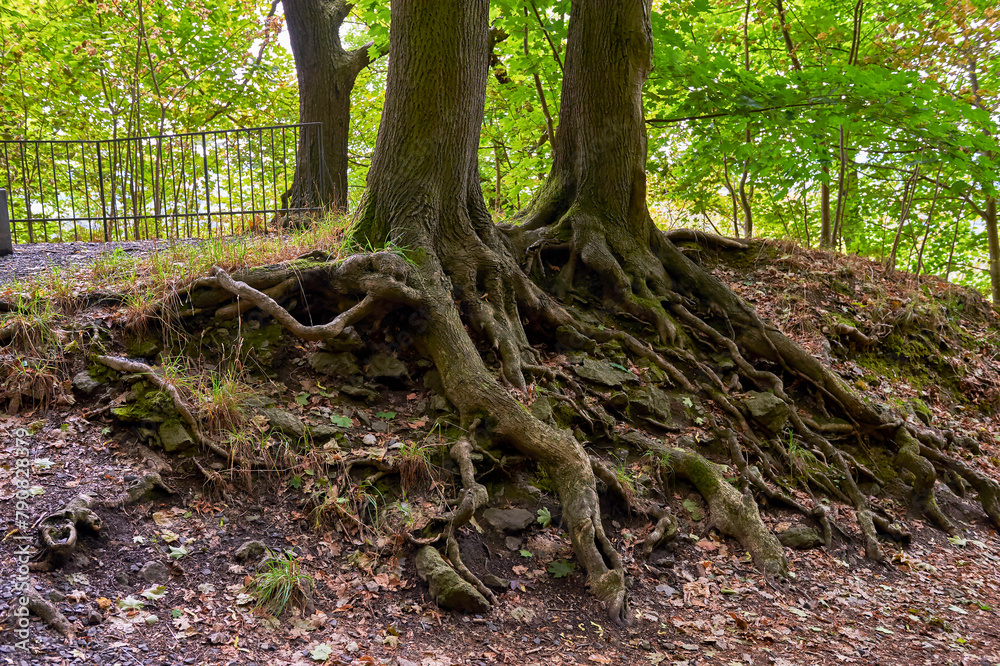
(705, 317)
(49, 614)
(58, 531)
(474, 496)
(128, 365)
(472, 388)
(733, 513)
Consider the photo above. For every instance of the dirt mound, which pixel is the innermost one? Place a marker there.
(348, 455)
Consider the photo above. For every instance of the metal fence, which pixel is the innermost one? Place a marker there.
(193, 185)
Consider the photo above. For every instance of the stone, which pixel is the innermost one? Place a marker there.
(570, 339)
(92, 617)
(322, 433)
(154, 572)
(541, 409)
(447, 588)
(250, 550)
(174, 436)
(439, 403)
(359, 393)
(337, 364)
(383, 365)
(369, 440)
(285, 422)
(800, 537)
(768, 410)
(651, 401)
(84, 383)
(432, 382)
(602, 372)
(509, 520)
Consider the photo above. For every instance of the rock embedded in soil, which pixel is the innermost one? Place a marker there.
(154, 572)
(768, 410)
(285, 422)
(602, 372)
(84, 383)
(340, 364)
(359, 393)
(800, 538)
(250, 550)
(651, 401)
(509, 520)
(383, 365)
(447, 588)
(174, 436)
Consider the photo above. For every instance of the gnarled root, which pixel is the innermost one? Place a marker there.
(733, 513)
(634, 278)
(58, 531)
(925, 475)
(386, 281)
(181, 405)
(49, 614)
(474, 496)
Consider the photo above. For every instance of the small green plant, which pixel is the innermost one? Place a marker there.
(625, 479)
(415, 470)
(544, 517)
(279, 583)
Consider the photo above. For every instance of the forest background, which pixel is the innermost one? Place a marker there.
(867, 127)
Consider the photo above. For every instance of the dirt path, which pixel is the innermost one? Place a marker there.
(34, 258)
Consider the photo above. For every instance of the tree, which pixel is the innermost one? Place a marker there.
(326, 73)
(458, 279)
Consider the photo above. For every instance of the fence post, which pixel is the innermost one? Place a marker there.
(100, 180)
(6, 244)
(208, 190)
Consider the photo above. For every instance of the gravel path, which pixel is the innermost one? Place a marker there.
(34, 258)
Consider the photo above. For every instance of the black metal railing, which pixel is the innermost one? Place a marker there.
(193, 185)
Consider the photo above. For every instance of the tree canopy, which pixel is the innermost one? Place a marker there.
(878, 118)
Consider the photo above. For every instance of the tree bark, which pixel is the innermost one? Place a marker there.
(594, 199)
(326, 75)
(423, 197)
(990, 217)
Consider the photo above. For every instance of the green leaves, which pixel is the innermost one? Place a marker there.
(561, 568)
(544, 517)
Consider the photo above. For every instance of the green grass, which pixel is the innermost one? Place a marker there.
(279, 584)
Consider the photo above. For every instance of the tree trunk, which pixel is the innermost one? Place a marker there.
(990, 217)
(326, 74)
(423, 196)
(594, 199)
(826, 228)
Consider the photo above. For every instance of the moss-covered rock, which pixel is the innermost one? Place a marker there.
(651, 401)
(174, 436)
(340, 364)
(768, 410)
(603, 372)
(146, 404)
(800, 537)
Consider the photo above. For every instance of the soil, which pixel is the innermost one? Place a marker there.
(700, 602)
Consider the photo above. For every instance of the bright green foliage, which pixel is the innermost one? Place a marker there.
(893, 106)
(95, 70)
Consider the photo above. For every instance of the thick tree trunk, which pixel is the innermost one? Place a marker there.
(593, 202)
(423, 197)
(326, 74)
